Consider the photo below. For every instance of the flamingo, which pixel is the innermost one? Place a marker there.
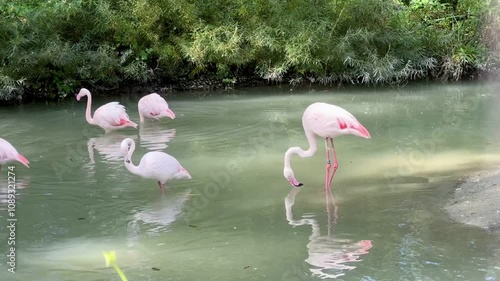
(8, 153)
(154, 165)
(111, 116)
(154, 106)
(327, 121)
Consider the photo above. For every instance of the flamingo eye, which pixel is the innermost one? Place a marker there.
(128, 161)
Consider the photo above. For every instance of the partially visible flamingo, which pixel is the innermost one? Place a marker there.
(327, 121)
(8, 153)
(154, 106)
(111, 116)
(154, 165)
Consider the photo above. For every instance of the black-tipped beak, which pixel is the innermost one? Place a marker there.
(295, 182)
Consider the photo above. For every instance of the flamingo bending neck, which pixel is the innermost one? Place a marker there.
(288, 172)
(128, 158)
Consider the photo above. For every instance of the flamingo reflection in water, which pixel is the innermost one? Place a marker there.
(154, 138)
(329, 255)
(159, 215)
(108, 146)
(5, 186)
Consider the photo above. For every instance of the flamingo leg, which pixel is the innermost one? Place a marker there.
(328, 165)
(335, 164)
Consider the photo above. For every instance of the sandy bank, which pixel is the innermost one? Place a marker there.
(476, 201)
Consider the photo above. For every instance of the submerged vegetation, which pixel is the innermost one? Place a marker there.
(49, 48)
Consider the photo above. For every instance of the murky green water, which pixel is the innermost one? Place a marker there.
(238, 219)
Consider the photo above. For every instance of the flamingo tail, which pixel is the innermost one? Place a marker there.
(127, 122)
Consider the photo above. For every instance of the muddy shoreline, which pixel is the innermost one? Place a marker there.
(476, 201)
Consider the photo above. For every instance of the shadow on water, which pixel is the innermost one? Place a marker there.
(330, 256)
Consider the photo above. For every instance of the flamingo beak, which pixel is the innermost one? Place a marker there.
(364, 132)
(23, 160)
(295, 182)
(170, 113)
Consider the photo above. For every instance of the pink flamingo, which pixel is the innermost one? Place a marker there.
(154, 165)
(111, 116)
(327, 121)
(154, 106)
(8, 153)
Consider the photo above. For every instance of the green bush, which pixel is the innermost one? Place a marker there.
(48, 49)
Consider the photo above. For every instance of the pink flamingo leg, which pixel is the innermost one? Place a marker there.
(162, 186)
(335, 163)
(328, 165)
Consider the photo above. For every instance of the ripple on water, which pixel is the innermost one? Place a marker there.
(20, 184)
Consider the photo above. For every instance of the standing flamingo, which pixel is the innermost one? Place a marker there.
(327, 121)
(154, 106)
(111, 116)
(154, 165)
(9, 153)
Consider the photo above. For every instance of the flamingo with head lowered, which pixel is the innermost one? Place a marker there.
(154, 106)
(327, 121)
(110, 117)
(8, 153)
(154, 165)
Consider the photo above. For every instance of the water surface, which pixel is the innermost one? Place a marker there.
(238, 219)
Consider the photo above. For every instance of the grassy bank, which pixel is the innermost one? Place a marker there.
(48, 49)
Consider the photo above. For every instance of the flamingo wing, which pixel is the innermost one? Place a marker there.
(154, 104)
(9, 153)
(112, 113)
(328, 120)
(159, 165)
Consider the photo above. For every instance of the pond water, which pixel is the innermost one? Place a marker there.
(238, 218)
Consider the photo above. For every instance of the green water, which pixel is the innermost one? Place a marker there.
(230, 222)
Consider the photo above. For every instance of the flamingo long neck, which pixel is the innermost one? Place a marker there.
(302, 153)
(89, 118)
(128, 161)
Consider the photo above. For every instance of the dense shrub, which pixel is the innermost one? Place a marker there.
(49, 48)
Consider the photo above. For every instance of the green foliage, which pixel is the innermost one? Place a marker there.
(51, 48)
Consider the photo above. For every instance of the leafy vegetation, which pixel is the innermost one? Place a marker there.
(50, 48)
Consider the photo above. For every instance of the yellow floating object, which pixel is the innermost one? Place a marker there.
(110, 258)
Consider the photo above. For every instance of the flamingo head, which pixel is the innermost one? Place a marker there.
(83, 92)
(125, 145)
(183, 174)
(360, 131)
(170, 113)
(290, 177)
